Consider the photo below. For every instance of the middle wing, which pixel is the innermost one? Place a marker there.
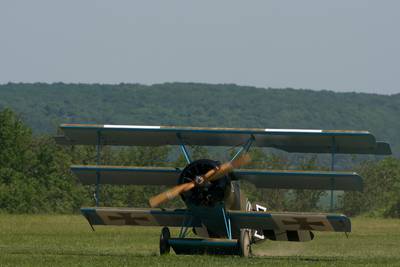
(290, 179)
(122, 175)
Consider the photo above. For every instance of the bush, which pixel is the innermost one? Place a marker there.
(381, 194)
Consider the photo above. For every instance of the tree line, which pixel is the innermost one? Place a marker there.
(44, 106)
(35, 177)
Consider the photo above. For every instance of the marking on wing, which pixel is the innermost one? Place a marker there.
(294, 130)
(131, 126)
(303, 223)
(129, 220)
(293, 221)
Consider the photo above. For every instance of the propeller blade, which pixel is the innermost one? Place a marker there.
(170, 194)
(226, 168)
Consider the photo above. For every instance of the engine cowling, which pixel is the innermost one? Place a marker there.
(209, 193)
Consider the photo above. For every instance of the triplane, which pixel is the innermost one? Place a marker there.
(216, 210)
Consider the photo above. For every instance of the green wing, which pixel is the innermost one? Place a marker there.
(289, 221)
(139, 217)
(126, 175)
(291, 140)
(318, 180)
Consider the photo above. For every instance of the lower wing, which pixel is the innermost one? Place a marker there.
(140, 217)
(289, 221)
(290, 226)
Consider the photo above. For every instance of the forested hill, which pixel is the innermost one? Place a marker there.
(44, 106)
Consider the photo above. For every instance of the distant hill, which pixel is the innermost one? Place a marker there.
(44, 106)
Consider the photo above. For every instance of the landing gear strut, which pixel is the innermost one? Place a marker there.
(164, 237)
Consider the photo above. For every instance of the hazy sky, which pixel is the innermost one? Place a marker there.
(337, 45)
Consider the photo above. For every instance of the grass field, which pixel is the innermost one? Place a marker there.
(65, 240)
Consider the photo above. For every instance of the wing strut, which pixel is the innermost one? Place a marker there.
(245, 148)
(332, 169)
(183, 148)
(227, 222)
(98, 159)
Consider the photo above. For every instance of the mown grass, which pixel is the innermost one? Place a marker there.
(67, 240)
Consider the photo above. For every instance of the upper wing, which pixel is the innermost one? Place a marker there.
(289, 221)
(140, 217)
(291, 140)
(381, 148)
(301, 179)
(126, 175)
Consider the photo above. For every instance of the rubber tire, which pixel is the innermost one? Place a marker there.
(244, 243)
(164, 237)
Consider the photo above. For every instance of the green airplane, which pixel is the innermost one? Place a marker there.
(217, 213)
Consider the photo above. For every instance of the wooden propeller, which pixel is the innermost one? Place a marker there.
(212, 175)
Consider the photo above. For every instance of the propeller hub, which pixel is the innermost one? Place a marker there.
(199, 180)
(204, 193)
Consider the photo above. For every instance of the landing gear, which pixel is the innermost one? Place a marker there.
(164, 237)
(244, 243)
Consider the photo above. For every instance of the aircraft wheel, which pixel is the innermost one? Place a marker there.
(164, 237)
(244, 243)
